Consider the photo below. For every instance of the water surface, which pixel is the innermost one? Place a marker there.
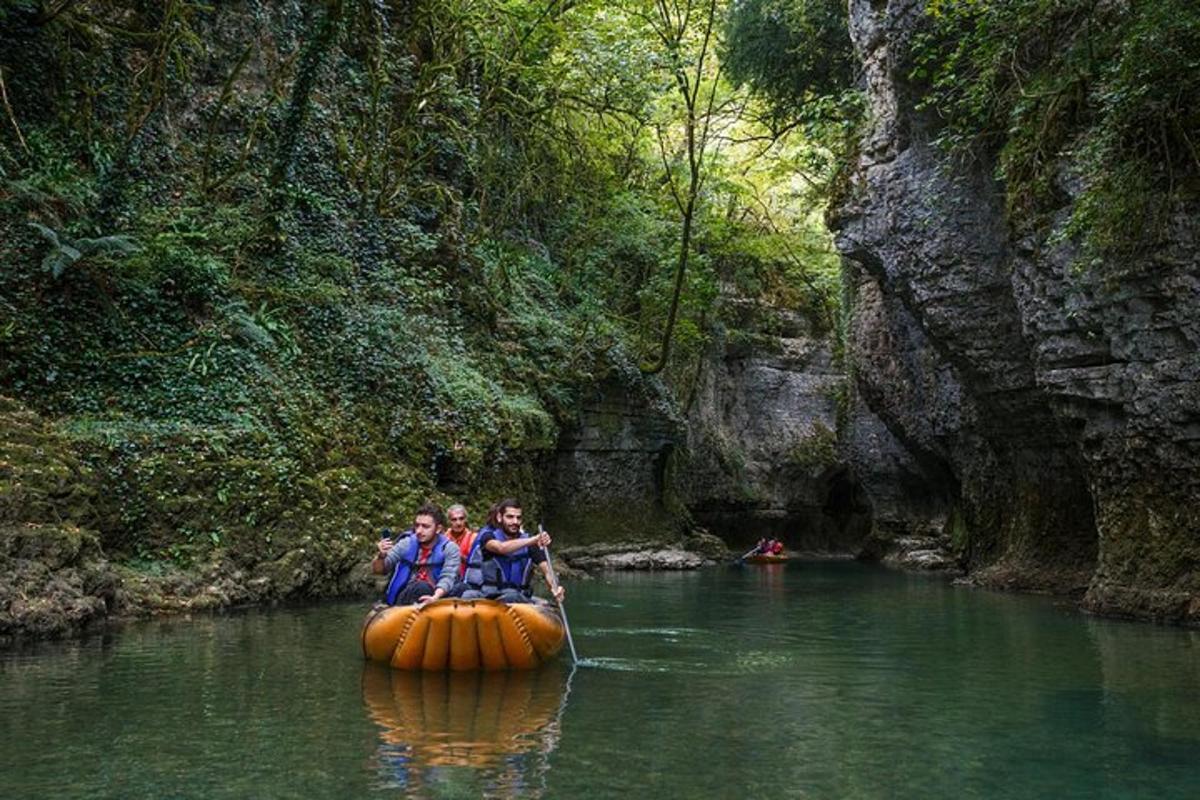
(822, 680)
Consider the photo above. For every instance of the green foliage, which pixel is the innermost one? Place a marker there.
(1105, 95)
(796, 55)
(382, 250)
(65, 253)
(795, 51)
(50, 183)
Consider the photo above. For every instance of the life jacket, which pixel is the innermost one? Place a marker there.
(469, 538)
(408, 565)
(473, 563)
(512, 571)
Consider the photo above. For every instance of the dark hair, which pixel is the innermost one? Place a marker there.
(505, 504)
(431, 510)
(493, 515)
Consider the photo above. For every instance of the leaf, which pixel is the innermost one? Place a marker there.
(124, 245)
(49, 234)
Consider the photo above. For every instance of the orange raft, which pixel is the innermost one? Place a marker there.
(766, 558)
(463, 635)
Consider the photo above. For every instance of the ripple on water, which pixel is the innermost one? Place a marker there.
(761, 661)
(676, 632)
(645, 665)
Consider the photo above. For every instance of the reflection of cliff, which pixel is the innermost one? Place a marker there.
(496, 727)
(1147, 682)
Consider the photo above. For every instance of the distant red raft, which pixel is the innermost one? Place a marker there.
(463, 635)
(766, 558)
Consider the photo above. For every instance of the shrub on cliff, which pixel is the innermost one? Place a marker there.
(1094, 104)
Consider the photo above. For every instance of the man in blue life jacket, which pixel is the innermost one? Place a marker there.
(422, 562)
(500, 566)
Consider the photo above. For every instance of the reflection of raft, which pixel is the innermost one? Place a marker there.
(463, 635)
(766, 558)
(469, 719)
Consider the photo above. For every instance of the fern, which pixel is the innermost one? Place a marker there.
(65, 253)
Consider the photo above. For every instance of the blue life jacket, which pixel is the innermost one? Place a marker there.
(507, 572)
(408, 565)
(473, 576)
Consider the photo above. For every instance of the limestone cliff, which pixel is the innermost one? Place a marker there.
(1060, 407)
(608, 477)
(762, 456)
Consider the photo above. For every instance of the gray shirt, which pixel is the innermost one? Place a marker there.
(449, 569)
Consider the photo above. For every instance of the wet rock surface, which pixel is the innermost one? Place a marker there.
(633, 556)
(57, 580)
(54, 578)
(924, 554)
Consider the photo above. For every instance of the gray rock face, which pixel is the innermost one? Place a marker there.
(608, 479)
(762, 436)
(1058, 409)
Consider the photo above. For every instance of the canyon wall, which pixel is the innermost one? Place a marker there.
(1059, 405)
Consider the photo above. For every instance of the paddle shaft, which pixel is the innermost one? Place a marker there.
(749, 553)
(561, 610)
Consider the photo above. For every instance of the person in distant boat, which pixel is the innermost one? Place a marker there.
(506, 555)
(422, 562)
(776, 547)
(763, 546)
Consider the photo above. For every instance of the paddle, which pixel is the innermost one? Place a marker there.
(561, 610)
(747, 554)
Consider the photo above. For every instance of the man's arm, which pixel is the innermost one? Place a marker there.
(388, 554)
(449, 570)
(383, 547)
(556, 588)
(511, 546)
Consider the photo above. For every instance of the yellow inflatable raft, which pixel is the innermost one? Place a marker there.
(463, 635)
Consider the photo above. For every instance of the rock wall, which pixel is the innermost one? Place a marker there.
(761, 434)
(609, 478)
(53, 576)
(1060, 408)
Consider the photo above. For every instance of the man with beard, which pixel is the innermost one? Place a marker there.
(508, 555)
(423, 563)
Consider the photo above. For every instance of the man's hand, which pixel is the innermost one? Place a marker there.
(559, 593)
(540, 540)
(429, 598)
(384, 546)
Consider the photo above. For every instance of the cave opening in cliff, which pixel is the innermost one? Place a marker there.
(846, 507)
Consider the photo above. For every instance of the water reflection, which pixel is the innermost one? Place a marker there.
(485, 733)
(1143, 670)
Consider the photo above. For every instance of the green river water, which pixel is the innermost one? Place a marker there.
(822, 680)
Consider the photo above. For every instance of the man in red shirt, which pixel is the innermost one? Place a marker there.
(423, 563)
